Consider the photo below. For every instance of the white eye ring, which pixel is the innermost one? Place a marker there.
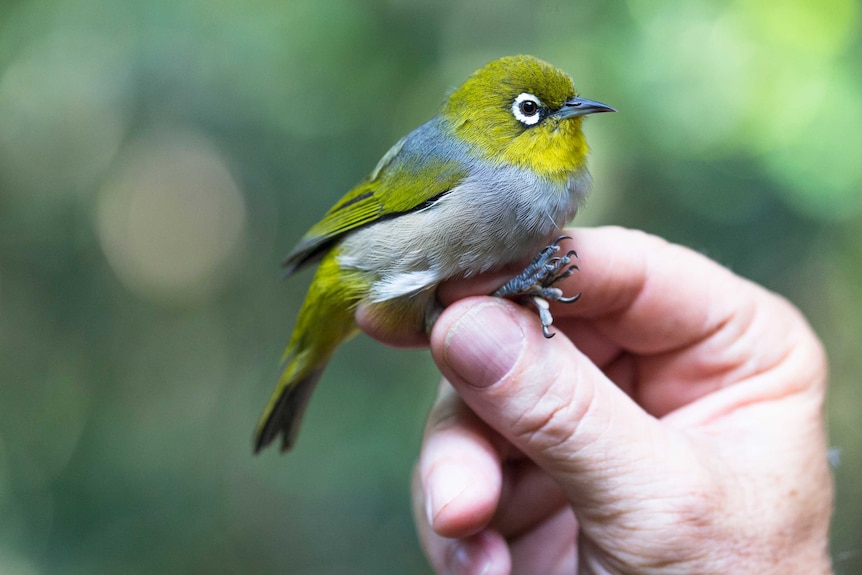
(527, 109)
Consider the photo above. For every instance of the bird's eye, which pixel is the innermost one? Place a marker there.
(527, 109)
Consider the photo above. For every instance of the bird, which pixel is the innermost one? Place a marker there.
(488, 182)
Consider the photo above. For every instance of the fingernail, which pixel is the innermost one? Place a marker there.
(445, 484)
(468, 557)
(484, 344)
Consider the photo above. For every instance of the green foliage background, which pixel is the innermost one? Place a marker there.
(158, 158)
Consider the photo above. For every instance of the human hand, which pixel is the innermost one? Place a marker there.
(673, 425)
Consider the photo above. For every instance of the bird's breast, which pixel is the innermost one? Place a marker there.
(496, 216)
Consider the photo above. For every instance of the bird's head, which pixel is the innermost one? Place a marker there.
(524, 112)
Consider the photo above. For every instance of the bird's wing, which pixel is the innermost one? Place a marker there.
(403, 181)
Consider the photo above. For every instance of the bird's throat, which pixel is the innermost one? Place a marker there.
(554, 154)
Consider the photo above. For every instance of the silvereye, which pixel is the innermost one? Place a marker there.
(487, 182)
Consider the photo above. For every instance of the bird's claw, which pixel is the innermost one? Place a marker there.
(535, 283)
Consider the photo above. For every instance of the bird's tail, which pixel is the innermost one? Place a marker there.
(324, 322)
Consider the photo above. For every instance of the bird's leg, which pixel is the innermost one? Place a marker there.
(535, 285)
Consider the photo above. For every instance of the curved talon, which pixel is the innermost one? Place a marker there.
(571, 299)
(560, 276)
(551, 280)
(543, 307)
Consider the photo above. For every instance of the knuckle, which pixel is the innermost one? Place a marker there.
(552, 419)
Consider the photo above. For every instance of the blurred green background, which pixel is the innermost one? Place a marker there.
(157, 160)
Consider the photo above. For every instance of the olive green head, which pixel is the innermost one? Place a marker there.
(522, 111)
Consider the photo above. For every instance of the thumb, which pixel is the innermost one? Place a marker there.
(553, 404)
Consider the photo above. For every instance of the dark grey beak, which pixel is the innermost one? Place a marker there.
(581, 107)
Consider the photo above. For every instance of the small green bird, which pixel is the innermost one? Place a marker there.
(487, 182)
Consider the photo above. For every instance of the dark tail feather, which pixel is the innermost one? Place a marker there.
(286, 415)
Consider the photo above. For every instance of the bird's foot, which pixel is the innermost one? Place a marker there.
(535, 285)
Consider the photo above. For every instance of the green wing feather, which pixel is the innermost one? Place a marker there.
(401, 182)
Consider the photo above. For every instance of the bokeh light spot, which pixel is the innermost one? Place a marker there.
(62, 114)
(171, 219)
(822, 168)
(15, 564)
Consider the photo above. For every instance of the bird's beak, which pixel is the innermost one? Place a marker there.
(581, 107)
